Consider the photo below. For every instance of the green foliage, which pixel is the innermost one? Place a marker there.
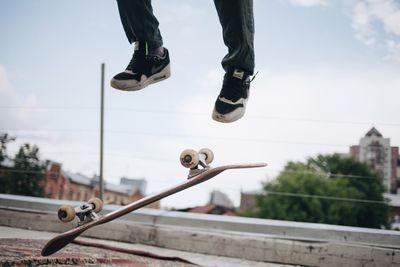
(315, 191)
(4, 139)
(25, 176)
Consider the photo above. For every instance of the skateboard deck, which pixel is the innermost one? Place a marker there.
(63, 239)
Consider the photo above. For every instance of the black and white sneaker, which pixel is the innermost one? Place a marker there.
(231, 102)
(143, 70)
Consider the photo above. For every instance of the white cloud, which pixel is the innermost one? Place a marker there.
(369, 16)
(5, 87)
(394, 49)
(375, 22)
(388, 12)
(309, 3)
(361, 23)
(177, 12)
(12, 115)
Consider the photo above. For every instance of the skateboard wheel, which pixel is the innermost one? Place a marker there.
(66, 213)
(189, 158)
(208, 153)
(97, 203)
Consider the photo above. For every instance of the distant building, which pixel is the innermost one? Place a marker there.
(212, 209)
(60, 184)
(394, 204)
(140, 184)
(219, 204)
(376, 151)
(248, 199)
(221, 199)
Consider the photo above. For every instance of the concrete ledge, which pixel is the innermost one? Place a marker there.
(252, 239)
(275, 228)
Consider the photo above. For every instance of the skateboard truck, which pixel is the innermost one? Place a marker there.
(194, 160)
(85, 213)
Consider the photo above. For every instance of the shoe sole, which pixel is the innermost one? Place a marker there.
(227, 118)
(164, 74)
(232, 116)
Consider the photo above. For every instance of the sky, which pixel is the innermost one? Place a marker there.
(328, 70)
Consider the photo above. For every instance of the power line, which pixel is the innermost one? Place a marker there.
(51, 107)
(122, 155)
(285, 194)
(326, 121)
(58, 174)
(178, 112)
(171, 160)
(24, 171)
(224, 138)
(48, 130)
(325, 197)
(330, 174)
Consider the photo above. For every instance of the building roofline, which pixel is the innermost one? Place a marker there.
(373, 131)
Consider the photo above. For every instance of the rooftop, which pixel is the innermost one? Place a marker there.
(229, 239)
(23, 246)
(127, 186)
(373, 131)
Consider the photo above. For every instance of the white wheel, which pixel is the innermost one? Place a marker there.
(189, 158)
(208, 153)
(97, 203)
(66, 213)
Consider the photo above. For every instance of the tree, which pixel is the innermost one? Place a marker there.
(326, 189)
(367, 182)
(28, 181)
(4, 140)
(26, 174)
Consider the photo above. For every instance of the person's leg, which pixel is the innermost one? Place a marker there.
(237, 21)
(236, 18)
(139, 22)
(150, 61)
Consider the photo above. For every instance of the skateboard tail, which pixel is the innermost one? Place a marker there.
(58, 243)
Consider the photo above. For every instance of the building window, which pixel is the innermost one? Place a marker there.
(375, 154)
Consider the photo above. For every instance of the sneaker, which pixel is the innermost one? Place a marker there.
(143, 70)
(231, 102)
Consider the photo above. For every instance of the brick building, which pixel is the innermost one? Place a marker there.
(375, 150)
(60, 184)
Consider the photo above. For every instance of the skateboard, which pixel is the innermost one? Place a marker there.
(200, 171)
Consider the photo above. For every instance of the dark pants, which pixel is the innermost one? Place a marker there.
(236, 17)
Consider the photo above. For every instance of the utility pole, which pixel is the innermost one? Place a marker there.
(101, 180)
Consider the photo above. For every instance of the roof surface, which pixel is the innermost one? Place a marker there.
(373, 131)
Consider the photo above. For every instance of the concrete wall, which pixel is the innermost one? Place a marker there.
(253, 239)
